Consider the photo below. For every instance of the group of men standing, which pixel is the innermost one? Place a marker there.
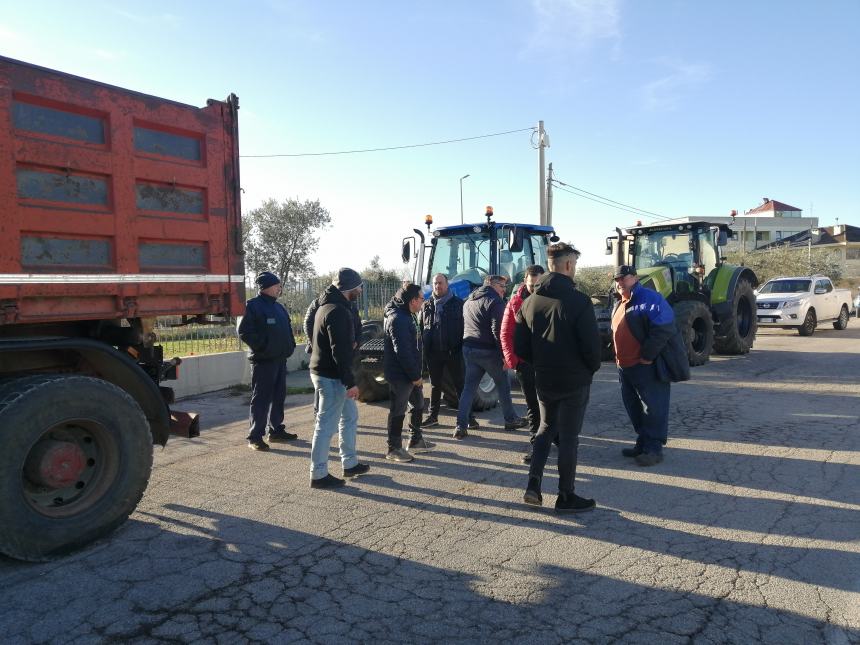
(547, 333)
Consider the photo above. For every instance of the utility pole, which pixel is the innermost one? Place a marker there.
(543, 142)
(548, 217)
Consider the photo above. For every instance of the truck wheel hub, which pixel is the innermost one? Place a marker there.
(56, 464)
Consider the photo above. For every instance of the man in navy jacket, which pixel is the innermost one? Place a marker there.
(482, 351)
(401, 365)
(266, 329)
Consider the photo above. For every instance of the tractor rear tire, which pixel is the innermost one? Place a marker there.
(76, 459)
(736, 333)
(694, 321)
(372, 385)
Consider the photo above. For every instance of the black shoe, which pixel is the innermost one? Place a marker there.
(649, 458)
(430, 421)
(532, 495)
(573, 503)
(460, 433)
(527, 458)
(355, 471)
(259, 444)
(282, 437)
(522, 422)
(632, 452)
(473, 424)
(327, 482)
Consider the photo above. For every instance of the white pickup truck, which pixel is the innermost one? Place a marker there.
(802, 303)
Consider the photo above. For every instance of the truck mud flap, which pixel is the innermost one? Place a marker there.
(184, 424)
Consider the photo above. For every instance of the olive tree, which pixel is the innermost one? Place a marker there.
(282, 236)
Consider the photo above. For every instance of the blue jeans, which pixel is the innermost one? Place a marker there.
(336, 414)
(479, 362)
(268, 392)
(646, 399)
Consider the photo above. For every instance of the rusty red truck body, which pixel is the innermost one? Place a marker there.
(115, 207)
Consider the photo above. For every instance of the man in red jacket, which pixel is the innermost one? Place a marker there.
(525, 372)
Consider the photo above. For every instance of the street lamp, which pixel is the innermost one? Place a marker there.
(461, 196)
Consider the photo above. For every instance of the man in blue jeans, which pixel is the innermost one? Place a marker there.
(642, 324)
(482, 350)
(334, 383)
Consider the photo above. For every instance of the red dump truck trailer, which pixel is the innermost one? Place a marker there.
(115, 207)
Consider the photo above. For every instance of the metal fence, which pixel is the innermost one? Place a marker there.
(194, 339)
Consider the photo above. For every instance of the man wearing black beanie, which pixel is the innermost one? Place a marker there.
(266, 329)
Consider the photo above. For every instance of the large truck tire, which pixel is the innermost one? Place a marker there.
(736, 333)
(693, 319)
(76, 458)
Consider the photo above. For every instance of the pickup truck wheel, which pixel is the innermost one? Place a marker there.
(736, 333)
(76, 458)
(841, 322)
(809, 323)
(693, 319)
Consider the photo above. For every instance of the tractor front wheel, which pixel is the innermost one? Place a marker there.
(736, 333)
(693, 319)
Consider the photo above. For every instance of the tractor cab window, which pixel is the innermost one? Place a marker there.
(462, 256)
(709, 255)
(670, 249)
(513, 264)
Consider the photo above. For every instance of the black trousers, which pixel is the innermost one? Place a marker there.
(268, 392)
(526, 377)
(404, 395)
(437, 364)
(562, 418)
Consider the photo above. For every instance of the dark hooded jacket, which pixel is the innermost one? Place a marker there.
(267, 330)
(401, 360)
(482, 319)
(556, 332)
(446, 337)
(333, 336)
(310, 316)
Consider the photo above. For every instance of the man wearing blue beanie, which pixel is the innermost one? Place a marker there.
(266, 329)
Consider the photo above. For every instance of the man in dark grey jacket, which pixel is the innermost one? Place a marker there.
(556, 332)
(401, 363)
(482, 350)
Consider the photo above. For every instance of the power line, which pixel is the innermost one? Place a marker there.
(414, 145)
(606, 201)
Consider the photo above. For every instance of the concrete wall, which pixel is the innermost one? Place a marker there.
(212, 372)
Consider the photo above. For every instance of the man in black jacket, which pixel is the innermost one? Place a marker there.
(331, 373)
(482, 350)
(441, 323)
(401, 363)
(556, 332)
(266, 329)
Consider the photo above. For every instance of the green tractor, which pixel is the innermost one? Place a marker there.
(714, 301)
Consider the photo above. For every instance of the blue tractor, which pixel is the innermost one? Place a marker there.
(466, 254)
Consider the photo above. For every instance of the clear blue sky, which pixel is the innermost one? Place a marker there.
(677, 107)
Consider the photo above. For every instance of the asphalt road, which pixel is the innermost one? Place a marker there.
(747, 532)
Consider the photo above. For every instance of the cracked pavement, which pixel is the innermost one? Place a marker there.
(749, 531)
